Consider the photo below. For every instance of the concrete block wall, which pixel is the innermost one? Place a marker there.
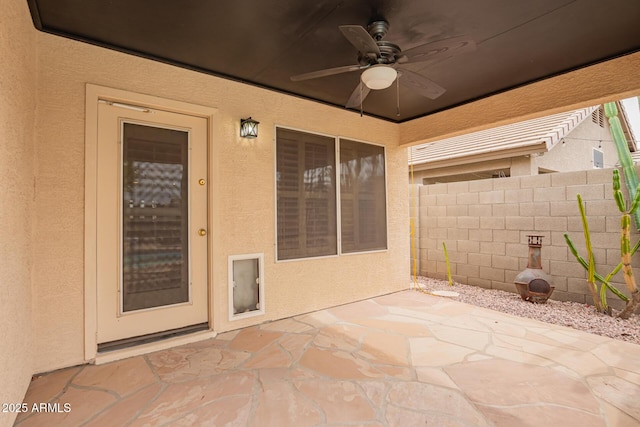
(485, 224)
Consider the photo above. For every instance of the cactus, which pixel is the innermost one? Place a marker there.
(446, 259)
(625, 243)
(606, 281)
(591, 269)
(624, 156)
(626, 252)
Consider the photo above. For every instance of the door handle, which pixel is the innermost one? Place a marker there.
(202, 232)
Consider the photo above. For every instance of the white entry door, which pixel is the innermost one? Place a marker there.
(151, 222)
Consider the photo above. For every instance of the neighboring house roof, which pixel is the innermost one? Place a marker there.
(528, 137)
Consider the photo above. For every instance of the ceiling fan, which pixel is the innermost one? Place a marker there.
(382, 61)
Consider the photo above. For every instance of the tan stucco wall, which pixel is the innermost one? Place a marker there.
(577, 151)
(243, 199)
(523, 166)
(17, 116)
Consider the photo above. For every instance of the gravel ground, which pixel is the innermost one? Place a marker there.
(571, 314)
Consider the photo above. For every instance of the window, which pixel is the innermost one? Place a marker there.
(363, 211)
(305, 179)
(307, 196)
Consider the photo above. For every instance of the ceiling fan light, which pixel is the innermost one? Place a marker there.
(379, 77)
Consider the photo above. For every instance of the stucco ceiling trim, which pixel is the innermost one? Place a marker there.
(604, 82)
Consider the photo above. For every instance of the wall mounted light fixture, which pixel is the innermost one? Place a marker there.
(248, 128)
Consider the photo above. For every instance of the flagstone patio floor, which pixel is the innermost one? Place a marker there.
(403, 359)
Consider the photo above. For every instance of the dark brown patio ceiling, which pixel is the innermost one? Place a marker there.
(265, 42)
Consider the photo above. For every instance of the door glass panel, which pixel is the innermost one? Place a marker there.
(155, 217)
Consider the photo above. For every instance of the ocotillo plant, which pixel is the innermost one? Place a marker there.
(599, 302)
(591, 265)
(625, 244)
(606, 281)
(624, 156)
(446, 259)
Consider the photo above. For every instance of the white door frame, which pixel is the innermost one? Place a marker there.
(94, 93)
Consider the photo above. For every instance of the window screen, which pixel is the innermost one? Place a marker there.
(306, 195)
(155, 217)
(363, 203)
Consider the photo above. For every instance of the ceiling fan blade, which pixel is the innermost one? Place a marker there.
(420, 84)
(440, 49)
(360, 38)
(327, 72)
(357, 97)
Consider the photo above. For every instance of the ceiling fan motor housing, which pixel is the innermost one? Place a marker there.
(389, 54)
(378, 29)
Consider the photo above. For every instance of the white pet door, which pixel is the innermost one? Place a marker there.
(246, 286)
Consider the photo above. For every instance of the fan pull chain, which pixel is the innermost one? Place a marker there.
(398, 96)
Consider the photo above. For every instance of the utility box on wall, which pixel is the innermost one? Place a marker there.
(246, 286)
